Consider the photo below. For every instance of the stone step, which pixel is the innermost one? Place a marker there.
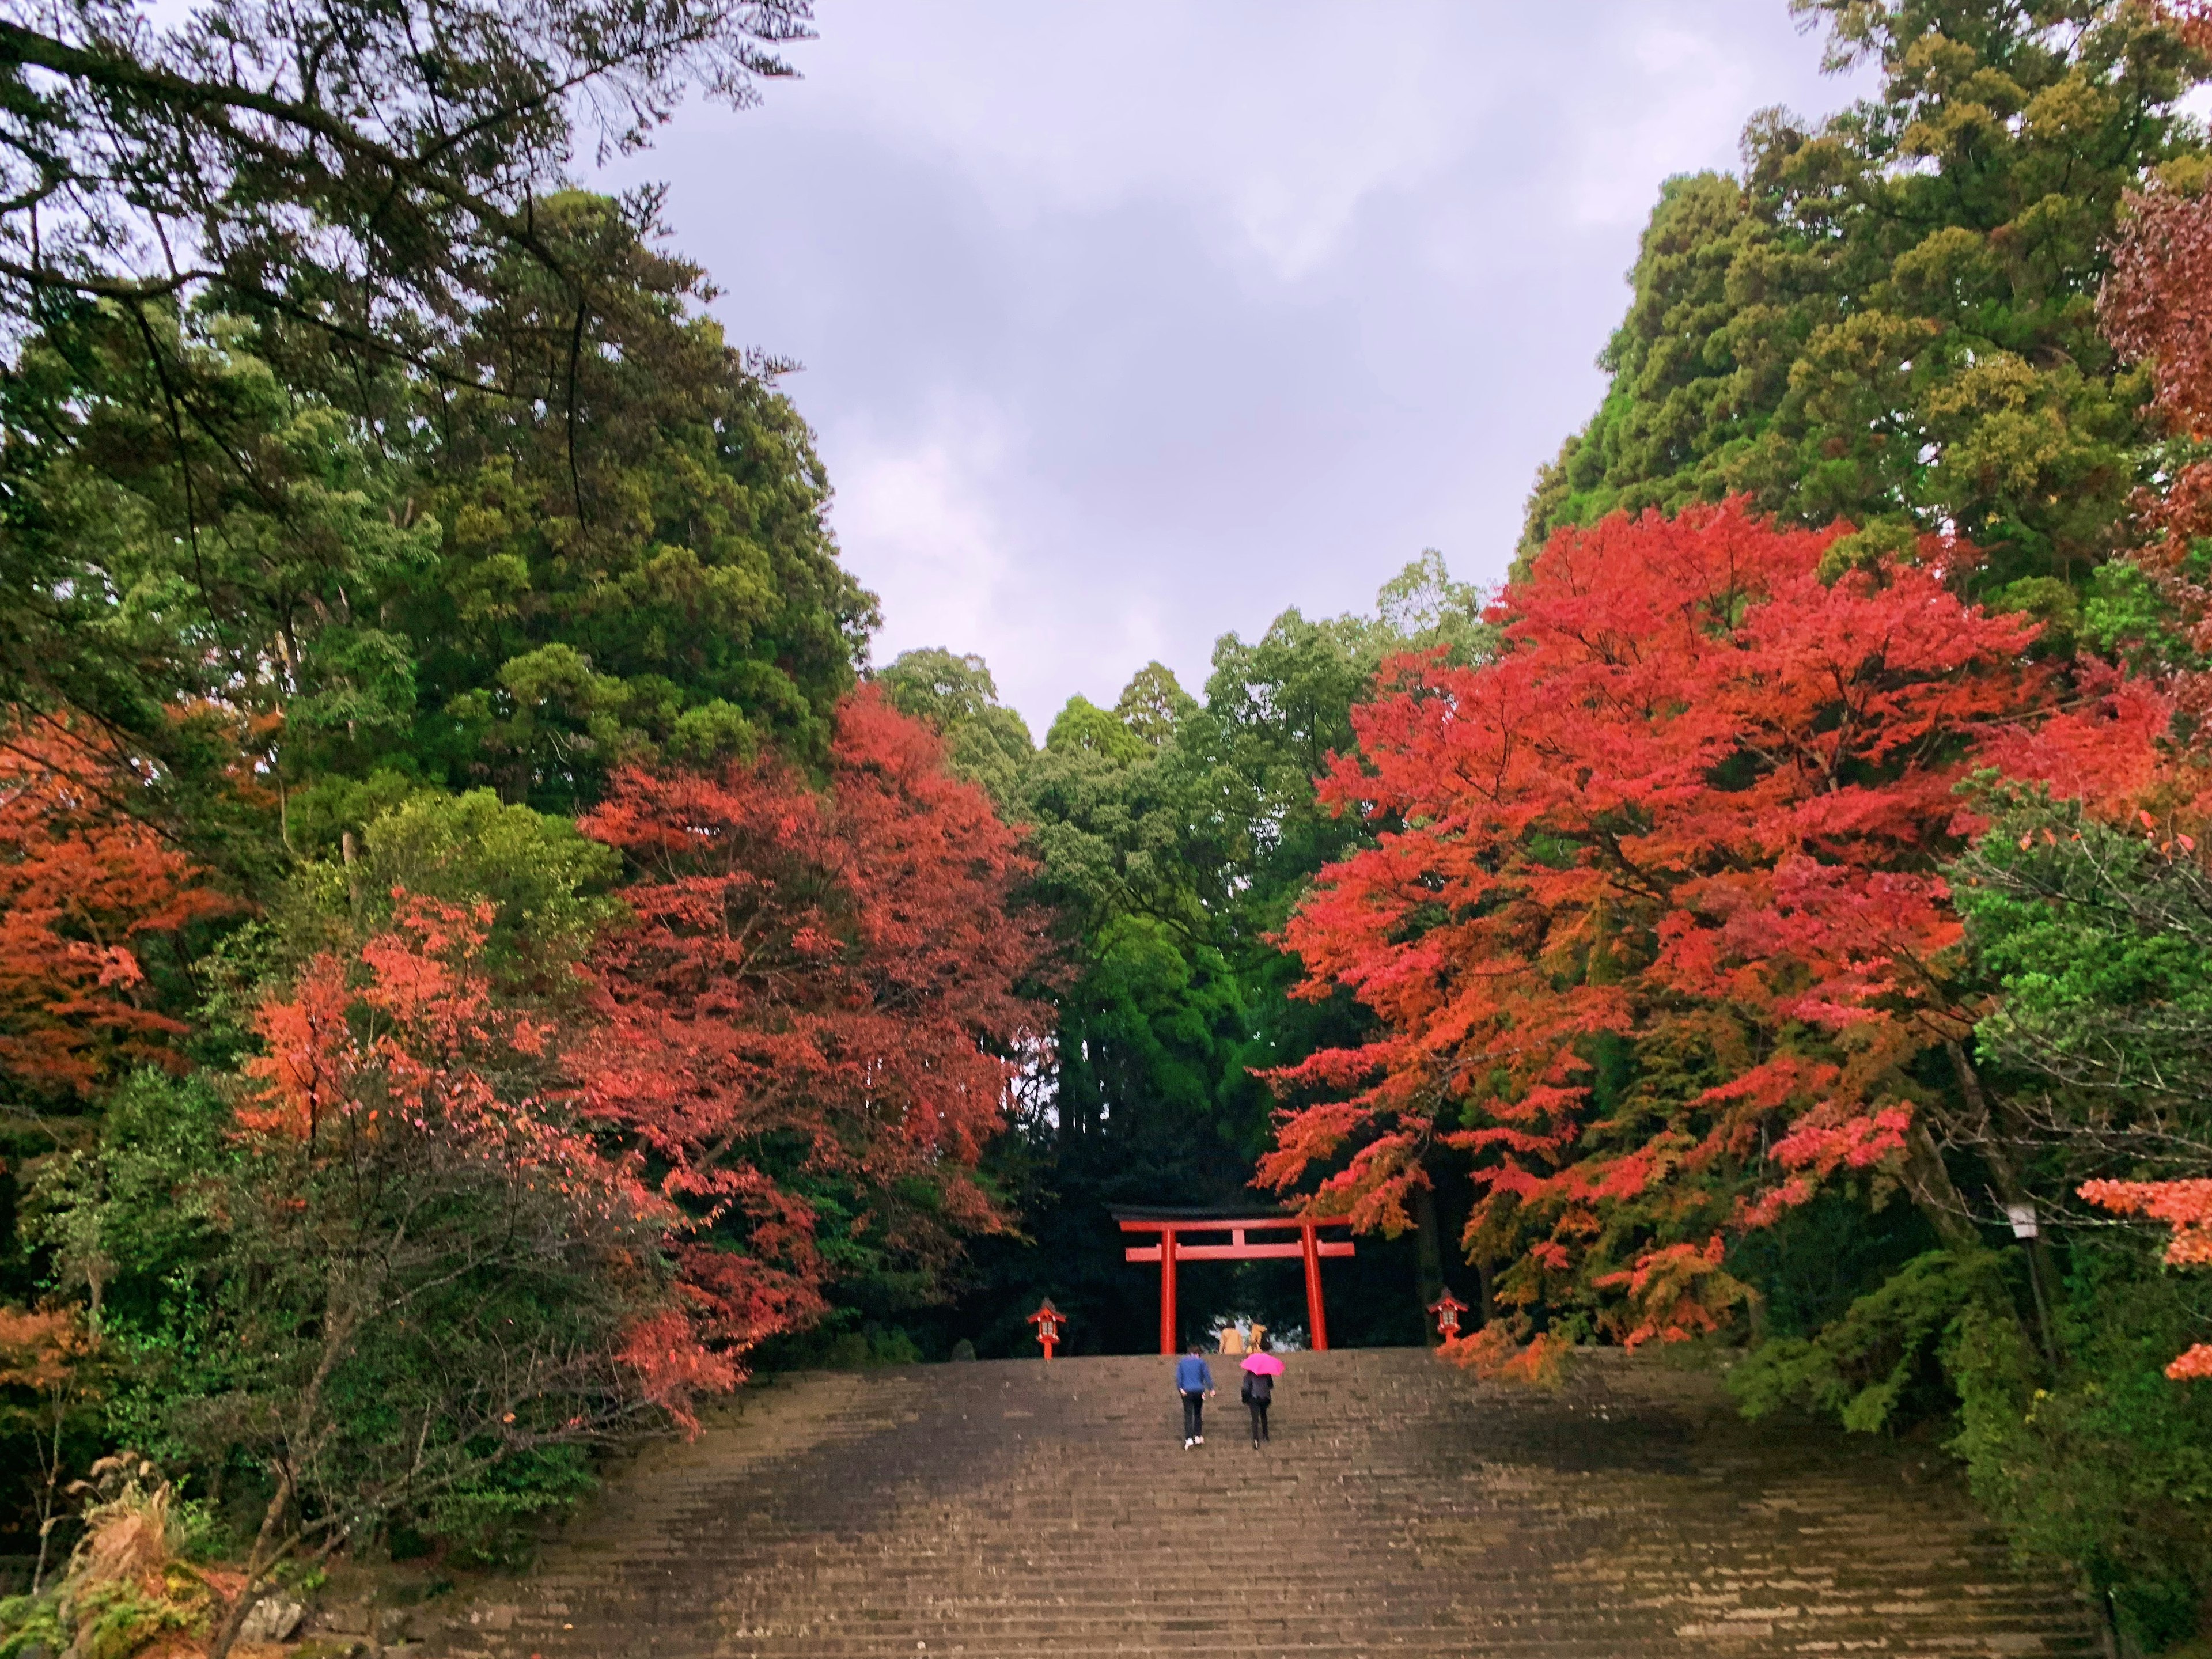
(1399, 1508)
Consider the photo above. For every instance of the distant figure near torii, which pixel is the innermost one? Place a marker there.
(1173, 1226)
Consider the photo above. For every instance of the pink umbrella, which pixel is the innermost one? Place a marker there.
(1264, 1364)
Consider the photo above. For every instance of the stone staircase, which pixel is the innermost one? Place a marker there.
(1018, 1508)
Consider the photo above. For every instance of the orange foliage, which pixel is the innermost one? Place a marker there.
(2184, 1205)
(429, 1034)
(2193, 18)
(1492, 1352)
(817, 983)
(405, 1043)
(2105, 748)
(84, 887)
(41, 1348)
(1694, 808)
(2157, 306)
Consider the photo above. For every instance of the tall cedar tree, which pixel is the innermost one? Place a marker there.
(635, 565)
(814, 1024)
(552, 567)
(1892, 318)
(315, 171)
(1660, 941)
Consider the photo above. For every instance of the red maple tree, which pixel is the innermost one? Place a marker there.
(1652, 928)
(2157, 308)
(819, 994)
(423, 1215)
(2184, 1205)
(85, 890)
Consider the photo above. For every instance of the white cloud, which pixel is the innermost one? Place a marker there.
(914, 517)
(1275, 121)
(1126, 325)
(1689, 91)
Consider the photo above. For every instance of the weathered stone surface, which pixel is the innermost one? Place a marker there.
(273, 1618)
(344, 1617)
(396, 1624)
(1012, 1507)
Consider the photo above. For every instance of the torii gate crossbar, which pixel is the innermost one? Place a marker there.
(1170, 1250)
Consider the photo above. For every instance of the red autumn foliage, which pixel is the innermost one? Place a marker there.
(2157, 302)
(2184, 1205)
(2157, 307)
(1689, 817)
(2193, 18)
(397, 1065)
(430, 1043)
(817, 993)
(42, 1348)
(2106, 747)
(85, 889)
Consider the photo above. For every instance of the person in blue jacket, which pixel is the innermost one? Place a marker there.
(1194, 1382)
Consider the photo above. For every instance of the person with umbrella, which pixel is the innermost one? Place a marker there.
(1261, 1370)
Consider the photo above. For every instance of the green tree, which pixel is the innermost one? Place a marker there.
(985, 740)
(1277, 709)
(358, 200)
(635, 565)
(1892, 318)
(219, 545)
(1174, 836)
(2098, 1053)
(517, 578)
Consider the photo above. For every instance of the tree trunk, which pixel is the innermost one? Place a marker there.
(1428, 1250)
(339, 1318)
(1930, 1182)
(2011, 1190)
(266, 1553)
(1933, 1190)
(352, 876)
(49, 1515)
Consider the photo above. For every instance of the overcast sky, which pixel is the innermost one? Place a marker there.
(1126, 325)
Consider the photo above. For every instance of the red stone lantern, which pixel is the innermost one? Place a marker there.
(1447, 1310)
(1047, 1320)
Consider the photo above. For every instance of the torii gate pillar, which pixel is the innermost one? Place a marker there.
(1170, 1251)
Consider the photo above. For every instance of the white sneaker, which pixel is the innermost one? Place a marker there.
(1188, 1443)
(1202, 1440)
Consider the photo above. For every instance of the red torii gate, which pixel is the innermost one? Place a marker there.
(1172, 1225)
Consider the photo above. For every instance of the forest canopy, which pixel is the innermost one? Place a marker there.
(489, 961)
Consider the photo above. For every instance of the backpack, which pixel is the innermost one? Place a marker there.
(1259, 1389)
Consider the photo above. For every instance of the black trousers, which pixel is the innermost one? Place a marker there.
(1259, 1419)
(1194, 1420)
